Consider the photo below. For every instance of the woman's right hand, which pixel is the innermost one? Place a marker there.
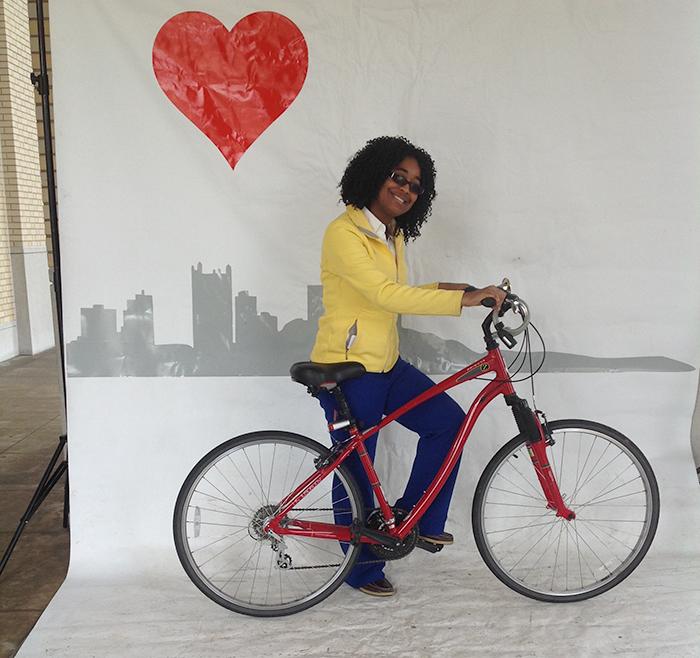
(475, 297)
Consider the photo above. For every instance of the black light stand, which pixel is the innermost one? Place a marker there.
(53, 472)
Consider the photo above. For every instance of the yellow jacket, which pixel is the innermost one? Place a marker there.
(364, 290)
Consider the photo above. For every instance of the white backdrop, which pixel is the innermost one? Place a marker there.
(567, 145)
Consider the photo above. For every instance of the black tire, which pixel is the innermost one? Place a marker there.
(235, 486)
(508, 489)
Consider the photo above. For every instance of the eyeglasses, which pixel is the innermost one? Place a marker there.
(400, 180)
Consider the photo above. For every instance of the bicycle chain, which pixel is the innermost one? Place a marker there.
(326, 566)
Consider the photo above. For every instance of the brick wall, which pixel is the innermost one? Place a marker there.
(18, 130)
(7, 298)
(40, 121)
(7, 302)
(22, 216)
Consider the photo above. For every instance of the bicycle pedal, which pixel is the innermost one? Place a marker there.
(428, 546)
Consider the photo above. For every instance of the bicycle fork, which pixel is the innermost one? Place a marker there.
(537, 441)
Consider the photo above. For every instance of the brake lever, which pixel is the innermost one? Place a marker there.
(507, 306)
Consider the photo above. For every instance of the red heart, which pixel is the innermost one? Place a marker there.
(231, 85)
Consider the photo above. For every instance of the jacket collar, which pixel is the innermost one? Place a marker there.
(360, 220)
(357, 217)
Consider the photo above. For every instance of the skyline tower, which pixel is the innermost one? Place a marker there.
(138, 320)
(212, 312)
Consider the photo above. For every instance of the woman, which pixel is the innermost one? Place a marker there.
(388, 188)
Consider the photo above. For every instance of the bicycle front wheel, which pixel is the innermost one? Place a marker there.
(221, 511)
(603, 477)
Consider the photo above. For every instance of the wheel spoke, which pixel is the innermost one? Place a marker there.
(612, 461)
(544, 552)
(225, 525)
(591, 501)
(591, 473)
(515, 493)
(230, 484)
(590, 525)
(218, 511)
(242, 476)
(573, 529)
(538, 492)
(530, 525)
(519, 527)
(529, 550)
(272, 470)
(209, 496)
(580, 471)
(255, 475)
(491, 502)
(314, 502)
(257, 548)
(556, 554)
(216, 541)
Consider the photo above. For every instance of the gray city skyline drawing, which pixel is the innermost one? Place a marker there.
(231, 338)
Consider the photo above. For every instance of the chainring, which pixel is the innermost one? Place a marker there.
(376, 522)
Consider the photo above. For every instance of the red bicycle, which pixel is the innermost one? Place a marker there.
(270, 523)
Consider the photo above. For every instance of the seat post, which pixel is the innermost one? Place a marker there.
(343, 406)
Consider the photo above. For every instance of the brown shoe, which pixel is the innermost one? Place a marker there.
(381, 587)
(443, 539)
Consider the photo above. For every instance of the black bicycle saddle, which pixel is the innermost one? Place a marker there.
(326, 375)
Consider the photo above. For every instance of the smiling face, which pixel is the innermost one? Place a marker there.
(394, 199)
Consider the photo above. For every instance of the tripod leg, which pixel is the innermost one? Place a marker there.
(48, 480)
(66, 502)
(51, 483)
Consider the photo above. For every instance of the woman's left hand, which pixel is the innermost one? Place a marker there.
(475, 297)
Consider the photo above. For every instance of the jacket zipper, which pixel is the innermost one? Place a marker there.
(351, 338)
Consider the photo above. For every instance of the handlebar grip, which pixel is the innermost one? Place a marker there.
(489, 302)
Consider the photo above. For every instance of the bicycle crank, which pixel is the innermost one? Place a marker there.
(375, 521)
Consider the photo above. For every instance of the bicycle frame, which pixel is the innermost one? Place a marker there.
(492, 362)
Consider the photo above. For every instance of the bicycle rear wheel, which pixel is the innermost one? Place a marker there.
(221, 510)
(603, 477)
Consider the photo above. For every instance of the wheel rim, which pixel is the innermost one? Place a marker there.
(224, 511)
(607, 487)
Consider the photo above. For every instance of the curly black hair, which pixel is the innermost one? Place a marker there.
(369, 168)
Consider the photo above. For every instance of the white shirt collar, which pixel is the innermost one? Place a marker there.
(377, 226)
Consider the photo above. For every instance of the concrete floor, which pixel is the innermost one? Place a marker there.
(31, 420)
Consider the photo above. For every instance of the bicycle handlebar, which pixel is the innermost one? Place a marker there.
(505, 334)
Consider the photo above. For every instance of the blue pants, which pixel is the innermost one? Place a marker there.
(436, 421)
